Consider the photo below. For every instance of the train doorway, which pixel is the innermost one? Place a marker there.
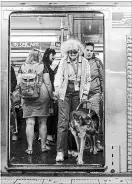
(42, 31)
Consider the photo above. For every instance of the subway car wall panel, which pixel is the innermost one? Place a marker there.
(4, 93)
(109, 29)
(116, 84)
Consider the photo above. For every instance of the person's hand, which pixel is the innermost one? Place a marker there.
(55, 95)
(84, 97)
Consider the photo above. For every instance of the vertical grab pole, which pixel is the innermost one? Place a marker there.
(62, 30)
(70, 19)
(69, 31)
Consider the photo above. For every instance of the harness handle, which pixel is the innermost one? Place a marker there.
(85, 101)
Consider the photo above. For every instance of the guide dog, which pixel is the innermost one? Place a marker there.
(84, 123)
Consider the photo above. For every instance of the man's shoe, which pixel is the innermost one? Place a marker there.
(60, 157)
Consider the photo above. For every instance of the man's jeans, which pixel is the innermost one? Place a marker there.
(69, 104)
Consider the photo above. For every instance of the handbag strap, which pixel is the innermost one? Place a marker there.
(47, 90)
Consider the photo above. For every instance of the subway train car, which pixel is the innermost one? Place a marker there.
(28, 25)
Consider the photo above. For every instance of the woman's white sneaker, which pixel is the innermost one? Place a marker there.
(60, 157)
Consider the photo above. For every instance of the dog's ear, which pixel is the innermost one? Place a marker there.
(88, 115)
(75, 116)
(80, 118)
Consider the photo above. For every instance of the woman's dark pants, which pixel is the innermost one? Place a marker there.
(69, 104)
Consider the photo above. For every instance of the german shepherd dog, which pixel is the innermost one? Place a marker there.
(84, 123)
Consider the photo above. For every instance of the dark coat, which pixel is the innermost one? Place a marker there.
(13, 79)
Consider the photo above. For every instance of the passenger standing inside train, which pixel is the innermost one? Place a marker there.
(72, 84)
(97, 84)
(12, 105)
(48, 58)
(35, 108)
(13, 79)
(13, 84)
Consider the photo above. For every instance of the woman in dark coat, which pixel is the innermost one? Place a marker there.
(13, 79)
(48, 59)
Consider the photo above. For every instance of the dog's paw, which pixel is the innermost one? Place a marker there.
(80, 161)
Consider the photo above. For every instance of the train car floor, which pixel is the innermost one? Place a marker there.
(18, 155)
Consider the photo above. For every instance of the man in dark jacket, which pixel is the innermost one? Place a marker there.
(97, 85)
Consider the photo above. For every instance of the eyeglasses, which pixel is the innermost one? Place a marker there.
(73, 52)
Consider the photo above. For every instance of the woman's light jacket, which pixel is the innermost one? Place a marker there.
(61, 78)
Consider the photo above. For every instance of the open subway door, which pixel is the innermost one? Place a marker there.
(41, 31)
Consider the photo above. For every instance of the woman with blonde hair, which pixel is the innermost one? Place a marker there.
(72, 84)
(35, 107)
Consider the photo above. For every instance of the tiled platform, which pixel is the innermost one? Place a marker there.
(66, 180)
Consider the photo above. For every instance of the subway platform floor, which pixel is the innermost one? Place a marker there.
(65, 180)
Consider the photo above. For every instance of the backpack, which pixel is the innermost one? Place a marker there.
(31, 81)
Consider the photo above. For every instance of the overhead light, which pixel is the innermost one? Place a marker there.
(35, 39)
(32, 34)
(89, 27)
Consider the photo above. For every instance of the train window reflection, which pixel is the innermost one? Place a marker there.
(33, 136)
